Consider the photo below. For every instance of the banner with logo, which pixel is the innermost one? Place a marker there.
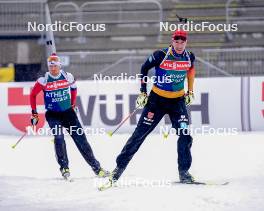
(219, 103)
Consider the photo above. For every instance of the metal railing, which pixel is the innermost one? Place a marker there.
(84, 65)
(244, 15)
(234, 61)
(15, 15)
(112, 13)
(211, 63)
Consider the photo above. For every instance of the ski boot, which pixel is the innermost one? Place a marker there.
(186, 177)
(101, 173)
(113, 177)
(116, 174)
(65, 172)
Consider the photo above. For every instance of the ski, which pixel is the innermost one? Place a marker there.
(106, 186)
(209, 183)
(68, 179)
(110, 184)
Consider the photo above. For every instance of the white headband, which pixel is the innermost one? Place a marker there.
(54, 63)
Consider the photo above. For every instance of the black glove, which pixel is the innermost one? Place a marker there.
(34, 117)
(143, 89)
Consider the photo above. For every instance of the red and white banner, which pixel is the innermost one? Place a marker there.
(219, 103)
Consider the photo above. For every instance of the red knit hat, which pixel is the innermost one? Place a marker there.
(179, 33)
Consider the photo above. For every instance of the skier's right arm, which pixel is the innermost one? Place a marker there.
(154, 60)
(38, 87)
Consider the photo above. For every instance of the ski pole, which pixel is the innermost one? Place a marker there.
(13, 146)
(166, 134)
(123, 121)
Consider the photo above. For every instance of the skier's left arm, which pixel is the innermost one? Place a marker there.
(73, 89)
(189, 97)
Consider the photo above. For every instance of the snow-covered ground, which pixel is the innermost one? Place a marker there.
(30, 180)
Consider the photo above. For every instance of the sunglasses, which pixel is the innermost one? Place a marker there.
(180, 38)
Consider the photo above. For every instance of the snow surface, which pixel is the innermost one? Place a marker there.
(30, 179)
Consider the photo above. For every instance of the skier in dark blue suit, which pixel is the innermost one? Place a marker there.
(173, 65)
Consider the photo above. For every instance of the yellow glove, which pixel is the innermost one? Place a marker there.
(142, 100)
(189, 97)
